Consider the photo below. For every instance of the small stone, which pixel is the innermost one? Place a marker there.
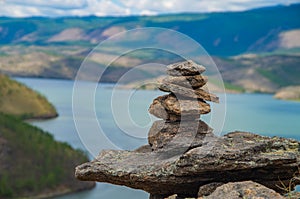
(196, 81)
(185, 68)
(168, 107)
(190, 93)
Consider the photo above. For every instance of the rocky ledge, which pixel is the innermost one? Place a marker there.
(184, 156)
(235, 157)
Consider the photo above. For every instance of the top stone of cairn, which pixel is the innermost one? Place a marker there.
(185, 68)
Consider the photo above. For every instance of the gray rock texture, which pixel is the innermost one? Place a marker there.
(239, 190)
(185, 68)
(195, 81)
(237, 156)
(183, 92)
(166, 135)
(246, 189)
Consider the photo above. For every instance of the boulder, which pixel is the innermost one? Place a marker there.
(235, 157)
(185, 68)
(180, 91)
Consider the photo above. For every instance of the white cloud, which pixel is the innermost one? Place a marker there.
(19, 11)
(171, 6)
(101, 8)
(148, 12)
(80, 8)
(22, 8)
(56, 4)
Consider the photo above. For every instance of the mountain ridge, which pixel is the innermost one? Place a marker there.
(248, 42)
(220, 30)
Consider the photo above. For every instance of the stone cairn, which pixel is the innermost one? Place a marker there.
(180, 109)
(186, 100)
(185, 158)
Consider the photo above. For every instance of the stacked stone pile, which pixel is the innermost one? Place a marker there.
(186, 100)
(181, 127)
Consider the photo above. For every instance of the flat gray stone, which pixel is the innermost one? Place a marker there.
(185, 68)
(189, 93)
(195, 81)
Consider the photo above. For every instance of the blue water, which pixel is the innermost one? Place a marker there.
(258, 113)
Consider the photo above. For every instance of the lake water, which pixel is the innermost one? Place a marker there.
(258, 113)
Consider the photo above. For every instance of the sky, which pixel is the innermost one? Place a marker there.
(56, 8)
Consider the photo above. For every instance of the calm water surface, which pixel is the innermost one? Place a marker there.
(258, 113)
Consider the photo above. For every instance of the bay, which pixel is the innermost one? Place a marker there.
(257, 113)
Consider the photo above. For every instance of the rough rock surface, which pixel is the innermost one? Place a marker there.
(190, 93)
(195, 81)
(237, 156)
(239, 190)
(168, 105)
(178, 134)
(207, 189)
(246, 189)
(185, 68)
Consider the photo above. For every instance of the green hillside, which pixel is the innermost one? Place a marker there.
(19, 100)
(33, 164)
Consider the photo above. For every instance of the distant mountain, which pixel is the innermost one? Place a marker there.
(260, 73)
(221, 34)
(256, 50)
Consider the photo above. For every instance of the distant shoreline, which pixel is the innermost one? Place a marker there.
(42, 117)
(134, 86)
(57, 193)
